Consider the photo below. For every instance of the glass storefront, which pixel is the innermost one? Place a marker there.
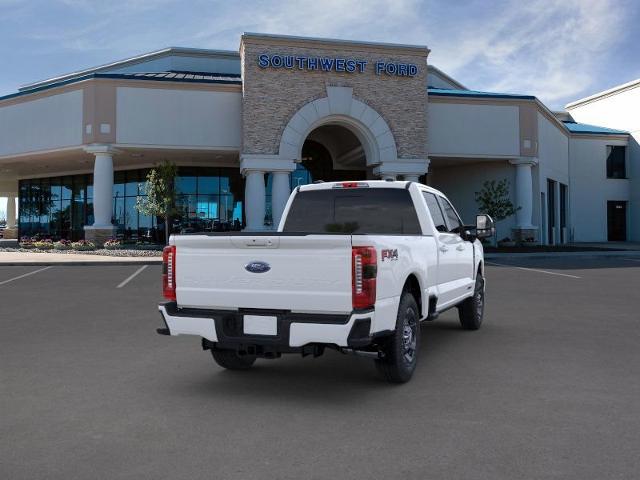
(208, 199)
(56, 207)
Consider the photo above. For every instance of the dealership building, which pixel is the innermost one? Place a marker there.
(246, 127)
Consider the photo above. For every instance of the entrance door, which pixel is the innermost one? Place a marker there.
(617, 221)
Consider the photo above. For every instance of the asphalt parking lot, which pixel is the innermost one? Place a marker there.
(548, 388)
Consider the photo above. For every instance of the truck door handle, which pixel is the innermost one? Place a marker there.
(444, 249)
(460, 248)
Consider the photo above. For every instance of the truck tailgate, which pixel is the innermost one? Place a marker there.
(305, 273)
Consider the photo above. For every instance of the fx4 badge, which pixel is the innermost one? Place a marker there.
(389, 254)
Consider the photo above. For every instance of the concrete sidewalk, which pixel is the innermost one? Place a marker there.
(33, 258)
(586, 254)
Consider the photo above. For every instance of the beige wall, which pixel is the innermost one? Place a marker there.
(459, 129)
(49, 122)
(272, 96)
(169, 117)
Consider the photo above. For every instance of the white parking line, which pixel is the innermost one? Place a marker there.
(132, 276)
(533, 270)
(25, 275)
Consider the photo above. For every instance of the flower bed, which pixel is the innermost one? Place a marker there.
(83, 245)
(113, 244)
(62, 245)
(112, 247)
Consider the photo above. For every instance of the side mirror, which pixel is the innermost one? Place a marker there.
(485, 227)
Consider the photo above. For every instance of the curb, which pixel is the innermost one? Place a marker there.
(81, 263)
(593, 254)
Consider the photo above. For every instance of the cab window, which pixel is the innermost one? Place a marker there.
(453, 221)
(435, 211)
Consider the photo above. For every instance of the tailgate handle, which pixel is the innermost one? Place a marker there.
(258, 242)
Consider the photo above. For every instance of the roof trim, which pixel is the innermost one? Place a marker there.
(604, 93)
(593, 129)
(118, 76)
(442, 92)
(132, 61)
(423, 49)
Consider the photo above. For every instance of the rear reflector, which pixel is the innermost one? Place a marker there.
(363, 280)
(169, 272)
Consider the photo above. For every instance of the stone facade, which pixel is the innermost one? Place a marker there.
(272, 96)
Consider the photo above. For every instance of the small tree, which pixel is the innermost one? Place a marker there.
(160, 193)
(493, 199)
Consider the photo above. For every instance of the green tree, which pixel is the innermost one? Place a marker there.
(493, 199)
(160, 199)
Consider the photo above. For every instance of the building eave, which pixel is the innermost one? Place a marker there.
(115, 76)
(131, 61)
(603, 94)
(447, 77)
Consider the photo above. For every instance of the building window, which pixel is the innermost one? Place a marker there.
(616, 161)
(209, 199)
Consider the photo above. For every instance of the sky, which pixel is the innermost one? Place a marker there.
(558, 50)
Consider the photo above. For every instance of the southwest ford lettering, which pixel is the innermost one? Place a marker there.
(330, 64)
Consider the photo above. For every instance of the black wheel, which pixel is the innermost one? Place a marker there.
(230, 359)
(471, 310)
(401, 349)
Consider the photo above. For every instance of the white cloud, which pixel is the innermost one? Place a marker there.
(548, 48)
(543, 47)
(554, 49)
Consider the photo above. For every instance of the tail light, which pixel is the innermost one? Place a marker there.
(363, 280)
(169, 272)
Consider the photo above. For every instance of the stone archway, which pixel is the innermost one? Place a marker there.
(340, 108)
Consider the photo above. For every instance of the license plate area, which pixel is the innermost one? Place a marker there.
(260, 325)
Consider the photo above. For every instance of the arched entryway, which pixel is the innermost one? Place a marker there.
(330, 153)
(337, 137)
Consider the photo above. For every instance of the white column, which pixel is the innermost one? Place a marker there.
(11, 211)
(103, 190)
(412, 178)
(280, 191)
(524, 192)
(254, 199)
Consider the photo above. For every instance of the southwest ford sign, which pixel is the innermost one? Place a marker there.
(331, 64)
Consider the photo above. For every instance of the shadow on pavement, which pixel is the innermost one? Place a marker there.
(334, 378)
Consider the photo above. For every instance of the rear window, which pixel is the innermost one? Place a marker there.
(358, 210)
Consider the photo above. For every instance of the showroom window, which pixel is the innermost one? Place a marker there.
(208, 199)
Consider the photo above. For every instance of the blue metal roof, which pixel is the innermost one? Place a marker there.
(173, 76)
(444, 92)
(575, 127)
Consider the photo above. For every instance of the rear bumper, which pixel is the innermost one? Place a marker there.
(225, 328)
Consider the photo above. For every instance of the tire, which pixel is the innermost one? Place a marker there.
(471, 311)
(230, 359)
(401, 349)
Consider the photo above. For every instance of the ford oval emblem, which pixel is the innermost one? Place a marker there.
(257, 267)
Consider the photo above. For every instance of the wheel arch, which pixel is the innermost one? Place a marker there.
(413, 286)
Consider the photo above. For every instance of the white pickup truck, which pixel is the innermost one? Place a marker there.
(353, 266)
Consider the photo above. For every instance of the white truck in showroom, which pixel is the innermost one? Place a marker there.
(353, 266)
